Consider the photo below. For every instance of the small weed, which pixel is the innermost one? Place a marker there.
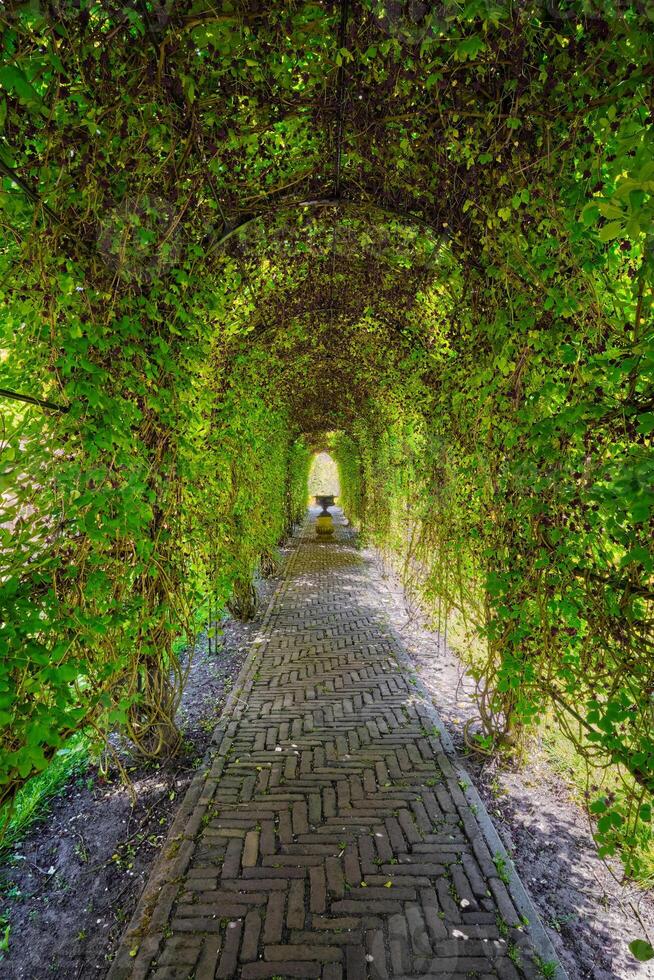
(502, 868)
(124, 856)
(546, 968)
(557, 921)
(513, 952)
(10, 890)
(497, 789)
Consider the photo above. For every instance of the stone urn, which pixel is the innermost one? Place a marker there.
(324, 520)
(324, 501)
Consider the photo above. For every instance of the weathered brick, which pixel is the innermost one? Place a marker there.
(250, 849)
(318, 889)
(260, 971)
(251, 931)
(296, 913)
(227, 963)
(206, 968)
(274, 919)
(311, 951)
(355, 963)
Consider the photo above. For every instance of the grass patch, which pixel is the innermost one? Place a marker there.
(33, 800)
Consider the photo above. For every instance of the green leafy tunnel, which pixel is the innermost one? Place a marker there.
(419, 236)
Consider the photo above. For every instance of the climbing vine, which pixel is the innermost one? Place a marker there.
(229, 231)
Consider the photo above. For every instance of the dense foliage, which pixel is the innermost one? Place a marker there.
(229, 229)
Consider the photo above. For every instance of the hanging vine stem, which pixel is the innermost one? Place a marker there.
(31, 400)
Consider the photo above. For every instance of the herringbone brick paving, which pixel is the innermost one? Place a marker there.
(331, 833)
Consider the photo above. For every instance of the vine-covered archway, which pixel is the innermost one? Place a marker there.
(228, 228)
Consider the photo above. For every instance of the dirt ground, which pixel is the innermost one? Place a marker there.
(71, 886)
(590, 914)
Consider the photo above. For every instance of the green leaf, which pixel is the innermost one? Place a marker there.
(609, 210)
(14, 80)
(609, 821)
(590, 215)
(640, 512)
(469, 48)
(611, 230)
(632, 229)
(642, 950)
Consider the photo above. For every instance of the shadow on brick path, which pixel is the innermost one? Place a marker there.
(331, 831)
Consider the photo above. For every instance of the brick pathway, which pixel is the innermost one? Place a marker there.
(331, 833)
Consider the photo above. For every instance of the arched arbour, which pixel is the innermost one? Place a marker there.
(312, 350)
(453, 576)
(137, 142)
(349, 309)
